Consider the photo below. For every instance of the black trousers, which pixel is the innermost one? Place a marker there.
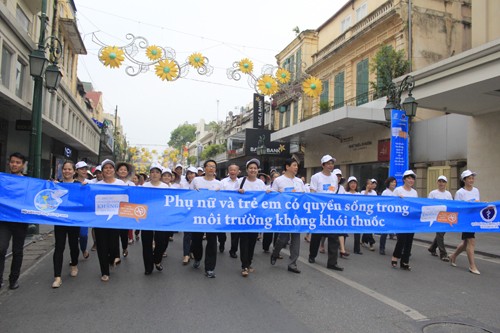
(247, 247)
(108, 247)
(60, 233)
(357, 245)
(124, 238)
(153, 257)
(333, 247)
(16, 231)
(235, 239)
(368, 238)
(210, 249)
(267, 239)
(402, 250)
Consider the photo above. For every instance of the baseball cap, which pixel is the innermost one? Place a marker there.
(373, 180)
(98, 168)
(253, 160)
(327, 158)
(337, 172)
(178, 166)
(409, 173)
(192, 169)
(443, 178)
(80, 165)
(156, 166)
(107, 161)
(166, 170)
(200, 169)
(466, 174)
(352, 178)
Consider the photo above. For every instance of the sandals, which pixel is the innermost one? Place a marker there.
(244, 272)
(394, 263)
(86, 254)
(105, 278)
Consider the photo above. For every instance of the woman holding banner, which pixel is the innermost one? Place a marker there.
(467, 193)
(107, 239)
(352, 188)
(124, 172)
(60, 233)
(405, 240)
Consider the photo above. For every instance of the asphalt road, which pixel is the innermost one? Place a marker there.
(369, 296)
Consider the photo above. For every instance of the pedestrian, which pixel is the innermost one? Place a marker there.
(107, 239)
(342, 237)
(390, 186)
(367, 240)
(81, 172)
(270, 237)
(230, 183)
(124, 172)
(325, 181)
(153, 256)
(187, 236)
(248, 240)
(15, 230)
(403, 246)
(471, 194)
(438, 242)
(352, 188)
(207, 182)
(288, 182)
(63, 231)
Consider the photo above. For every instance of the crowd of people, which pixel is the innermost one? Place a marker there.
(107, 241)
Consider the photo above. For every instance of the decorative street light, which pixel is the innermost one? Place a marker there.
(394, 98)
(38, 67)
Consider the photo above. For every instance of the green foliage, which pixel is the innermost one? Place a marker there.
(387, 64)
(212, 150)
(181, 135)
(324, 106)
(191, 160)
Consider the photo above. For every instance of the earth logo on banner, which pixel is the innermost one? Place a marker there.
(49, 200)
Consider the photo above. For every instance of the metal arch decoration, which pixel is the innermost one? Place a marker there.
(144, 56)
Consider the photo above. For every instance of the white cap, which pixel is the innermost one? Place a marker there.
(327, 158)
(155, 165)
(466, 174)
(409, 173)
(253, 160)
(98, 168)
(443, 178)
(200, 169)
(373, 180)
(352, 178)
(80, 165)
(178, 166)
(107, 161)
(166, 170)
(337, 172)
(192, 169)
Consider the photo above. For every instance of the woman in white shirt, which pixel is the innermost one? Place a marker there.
(367, 240)
(124, 172)
(402, 250)
(352, 188)
(390, 184)
(471, 194)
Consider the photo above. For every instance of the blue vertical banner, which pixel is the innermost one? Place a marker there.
(399, 162)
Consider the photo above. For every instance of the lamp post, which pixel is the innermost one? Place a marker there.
(38, 67)
(394, 98)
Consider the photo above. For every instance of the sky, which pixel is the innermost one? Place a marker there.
(224, 31)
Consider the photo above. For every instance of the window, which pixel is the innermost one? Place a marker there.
(433, 173)
(324, 104)
(287, 115)
(298, 64)
(23, 20)
(362, 82)
(345, 24)
(6, 66)
(338, 92)
(361, 12)
(295, 112)
(289, 64)
(20, 78)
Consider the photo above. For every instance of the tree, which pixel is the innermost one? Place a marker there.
(181, 135)
(212, 150)
(387, 65)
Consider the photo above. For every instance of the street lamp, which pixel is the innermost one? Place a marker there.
(394, 98)
(38, 67)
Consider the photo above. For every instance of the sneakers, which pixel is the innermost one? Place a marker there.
(57, 282)
(196, 264)
(73, 271)
(210, 274)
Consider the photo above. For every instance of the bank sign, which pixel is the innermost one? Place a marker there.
(258, 142)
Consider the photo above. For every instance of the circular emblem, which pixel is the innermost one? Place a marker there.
(139, 211)
(489, 213)
(47, 200)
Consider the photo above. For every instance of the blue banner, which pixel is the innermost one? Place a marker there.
(24, 199)
(399, 161)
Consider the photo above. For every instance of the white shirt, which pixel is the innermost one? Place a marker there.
(230, 185)
(116, 182)
(285, 184)
(437, 194)
(256, 185)
(372, 192)
(464, 195)
(402, 192)
(322, 183)
(200, 183)
(388, 193)
(129, 183)
(351, 193)
(161, 185)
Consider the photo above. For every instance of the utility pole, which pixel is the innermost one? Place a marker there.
(115, 132)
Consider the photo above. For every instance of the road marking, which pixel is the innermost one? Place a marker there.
(406, 310)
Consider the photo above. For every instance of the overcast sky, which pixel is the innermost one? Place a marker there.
(224, 31)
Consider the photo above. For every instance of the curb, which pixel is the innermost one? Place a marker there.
(486, 254)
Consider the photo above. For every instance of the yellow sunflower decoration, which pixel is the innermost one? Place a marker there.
(312, 87)
(267, 85)
(167, 70)
(153, 52)
(246, 66)
(283, 76)
(196, 60)
(112, 56)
